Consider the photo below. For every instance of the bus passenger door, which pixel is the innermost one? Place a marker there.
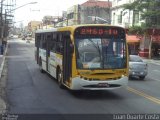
(48, 39)
(67, 58)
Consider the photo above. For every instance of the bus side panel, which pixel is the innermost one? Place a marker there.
(42, 55)
(53, 64)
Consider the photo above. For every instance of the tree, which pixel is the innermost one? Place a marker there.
(150, 12)
(149, 9)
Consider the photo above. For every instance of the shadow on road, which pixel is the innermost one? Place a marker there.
(95, 94)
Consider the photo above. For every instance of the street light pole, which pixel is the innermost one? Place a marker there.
(22, 6)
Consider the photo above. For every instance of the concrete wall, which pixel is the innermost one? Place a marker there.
(87, 15)
(94, 15)
(128, 18)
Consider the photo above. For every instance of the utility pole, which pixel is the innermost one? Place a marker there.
(96, 6)
(4, 22)
(1, 24)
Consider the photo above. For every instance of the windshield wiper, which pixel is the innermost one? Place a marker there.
(97, 47)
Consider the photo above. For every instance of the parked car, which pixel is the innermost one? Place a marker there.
(137, 67)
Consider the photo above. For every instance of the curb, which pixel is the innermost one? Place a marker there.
(3, 104)
(3, 61)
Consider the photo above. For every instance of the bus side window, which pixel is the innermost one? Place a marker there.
(57, 43)
(53, 43)
(36, 36)
(48, 40)
(41, 41)
(44, 42)
(61, 43)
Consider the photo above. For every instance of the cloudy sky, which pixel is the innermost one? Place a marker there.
(42, 8)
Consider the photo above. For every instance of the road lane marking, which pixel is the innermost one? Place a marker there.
(151, 98)
(156, 80)
(157, 71)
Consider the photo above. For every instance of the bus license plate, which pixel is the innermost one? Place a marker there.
(103, 84)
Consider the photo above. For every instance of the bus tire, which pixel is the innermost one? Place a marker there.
(40, 66)
(60, 78)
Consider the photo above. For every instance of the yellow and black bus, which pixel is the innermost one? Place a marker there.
(89, 57)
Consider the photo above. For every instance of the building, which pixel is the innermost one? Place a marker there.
(51, 20)
(124, 18)
(91, 11)
(127, 18)
(147, 45)
(94, 11)
(32, 27)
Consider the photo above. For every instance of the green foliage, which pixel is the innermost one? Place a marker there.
(149, 9)
(136, 30)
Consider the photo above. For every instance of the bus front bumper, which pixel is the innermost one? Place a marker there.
(82, 84)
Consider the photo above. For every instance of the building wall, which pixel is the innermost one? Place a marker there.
(91, 11)
(32, 25)
(73, 15)
(124, 18)
(94, 15)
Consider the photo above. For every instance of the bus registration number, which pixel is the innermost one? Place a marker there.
(103, 84)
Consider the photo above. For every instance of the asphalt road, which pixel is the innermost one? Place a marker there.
(30, 91)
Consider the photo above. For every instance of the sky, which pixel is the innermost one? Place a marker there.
(43, 7)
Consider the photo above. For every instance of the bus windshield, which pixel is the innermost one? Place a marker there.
(100, 53)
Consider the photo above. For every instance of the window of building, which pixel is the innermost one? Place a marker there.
(113, 18)
(135, 17)
(120, 17)
(70, 15)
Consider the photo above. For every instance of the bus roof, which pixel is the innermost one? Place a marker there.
(68, 28)
(46, 30)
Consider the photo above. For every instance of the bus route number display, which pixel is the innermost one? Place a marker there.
(98, 31)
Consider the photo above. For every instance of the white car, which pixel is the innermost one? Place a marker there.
(137, 67)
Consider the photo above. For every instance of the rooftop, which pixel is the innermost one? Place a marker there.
(93, 3)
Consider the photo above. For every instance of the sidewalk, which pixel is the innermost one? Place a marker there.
(153, 61)
(3, 106)
(3, 103)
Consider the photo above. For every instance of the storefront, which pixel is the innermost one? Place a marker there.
(133, 44)
(150, 46)
(156, 47)
(147, 46)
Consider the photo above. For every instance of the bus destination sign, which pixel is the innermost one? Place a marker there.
(102, 31)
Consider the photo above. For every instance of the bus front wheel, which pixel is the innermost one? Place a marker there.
(60, 78)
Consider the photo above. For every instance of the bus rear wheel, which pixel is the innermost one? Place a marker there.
(60, 78)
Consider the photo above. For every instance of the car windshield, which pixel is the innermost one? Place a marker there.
(135, 59)
(102, 53)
